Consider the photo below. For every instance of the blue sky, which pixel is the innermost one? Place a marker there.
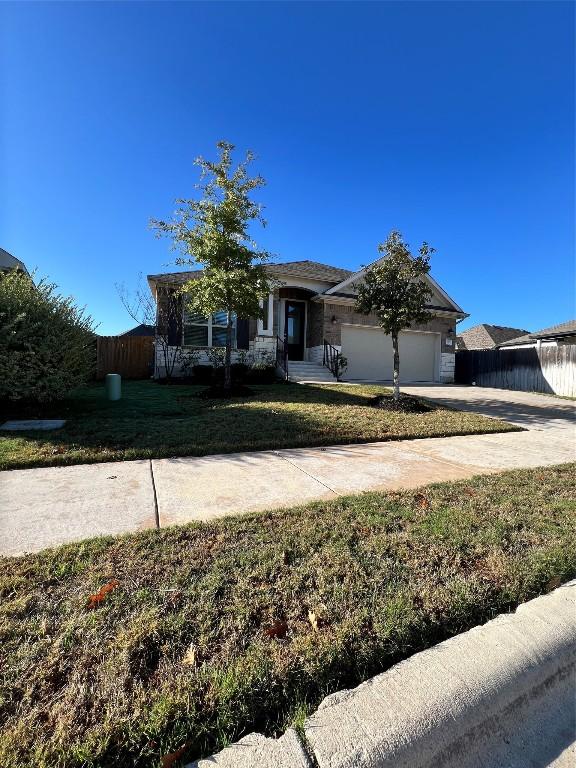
(453, 122)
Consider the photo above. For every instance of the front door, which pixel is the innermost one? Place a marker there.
(294, 329)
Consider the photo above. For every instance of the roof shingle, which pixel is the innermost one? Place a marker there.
(312, 270)
(486, 336)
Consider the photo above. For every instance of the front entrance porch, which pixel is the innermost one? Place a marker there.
(294, 328)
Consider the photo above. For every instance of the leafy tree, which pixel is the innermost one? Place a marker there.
(393, 289)
(47, 343)
(213, 231)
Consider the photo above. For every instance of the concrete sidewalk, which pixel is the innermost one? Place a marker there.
(46, 507)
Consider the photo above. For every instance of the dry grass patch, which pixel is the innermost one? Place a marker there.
(209, 632)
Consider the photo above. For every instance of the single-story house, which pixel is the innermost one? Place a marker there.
(312, 310)
(555, 336)
(486, 336)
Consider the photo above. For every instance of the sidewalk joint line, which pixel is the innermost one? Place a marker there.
(284, 458)
(156, 512)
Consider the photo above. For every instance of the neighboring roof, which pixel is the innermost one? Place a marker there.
(7, 261)
(140, 330)
(486, 336)
(554, 332)
(312, 270)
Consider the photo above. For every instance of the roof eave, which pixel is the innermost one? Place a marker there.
(326, 297)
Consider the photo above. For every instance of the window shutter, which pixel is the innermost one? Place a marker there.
(242, 337)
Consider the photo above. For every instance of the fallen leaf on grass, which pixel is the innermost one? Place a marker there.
(277, 629)
(422, 501)
(168, 760)
(190, 656)
(99, 596)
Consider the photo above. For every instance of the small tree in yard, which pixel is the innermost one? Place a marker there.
(213, 233)
(394, 291)
(47, 343)
(164, 314)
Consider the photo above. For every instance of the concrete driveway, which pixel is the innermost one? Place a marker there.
(46, 507)
(525, 409)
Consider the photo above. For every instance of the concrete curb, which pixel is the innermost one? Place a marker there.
(501, 694)
(257, 750)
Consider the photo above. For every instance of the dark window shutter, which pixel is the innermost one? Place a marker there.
(175, 321)
(242, 336)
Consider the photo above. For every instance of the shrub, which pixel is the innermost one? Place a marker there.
(203, 374)
(261, 375)
(47, 345)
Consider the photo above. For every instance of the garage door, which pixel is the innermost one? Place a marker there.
(370, 355)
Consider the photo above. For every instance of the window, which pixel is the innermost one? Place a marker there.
(266, 324)
(210, 331)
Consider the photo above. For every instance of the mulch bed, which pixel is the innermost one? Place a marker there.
(406, 404)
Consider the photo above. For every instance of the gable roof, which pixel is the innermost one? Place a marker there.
(554, 332)
(310, 270)
(486, 336)
(354, 276)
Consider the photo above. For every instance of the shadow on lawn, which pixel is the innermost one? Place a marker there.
(152, 421)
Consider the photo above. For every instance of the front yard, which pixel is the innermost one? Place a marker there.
(156, 421)
(212, 630)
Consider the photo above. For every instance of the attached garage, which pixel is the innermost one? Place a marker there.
(370, 355)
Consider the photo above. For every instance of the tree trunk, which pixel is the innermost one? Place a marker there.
(228, 357)
(396, 367)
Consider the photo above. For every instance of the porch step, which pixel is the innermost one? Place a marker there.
(302, 370)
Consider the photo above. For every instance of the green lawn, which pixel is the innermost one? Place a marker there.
(154, 421)
(181, 650)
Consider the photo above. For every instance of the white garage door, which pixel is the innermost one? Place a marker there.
(370, 355)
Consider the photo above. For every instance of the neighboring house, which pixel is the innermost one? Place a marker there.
(313, 309)
(556, 335)
(140, 330)
(486, 336)
(8, 262)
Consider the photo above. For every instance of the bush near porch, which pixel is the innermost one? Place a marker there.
(156, 421)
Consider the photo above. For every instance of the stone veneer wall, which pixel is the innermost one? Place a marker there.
(447, 363)
(259, 347)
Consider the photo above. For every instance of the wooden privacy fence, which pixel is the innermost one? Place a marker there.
(549, 369)
(130, 356)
